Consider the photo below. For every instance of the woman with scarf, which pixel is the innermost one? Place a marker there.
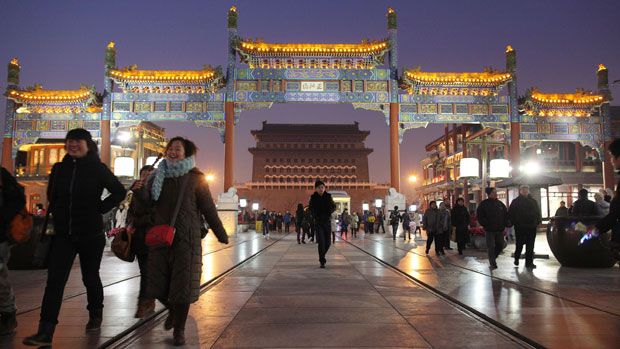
(174, 271)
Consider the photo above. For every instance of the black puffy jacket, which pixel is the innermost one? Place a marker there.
(492, 215)
(524, 212)
(322, 207)
(74, 192)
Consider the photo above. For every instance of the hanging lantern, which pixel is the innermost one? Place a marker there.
(469, 168)
(500, 168)
(123, 166)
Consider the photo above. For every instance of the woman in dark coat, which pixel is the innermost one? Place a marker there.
(174, 271)
(140, 219)
(460, 220)
(74, 191)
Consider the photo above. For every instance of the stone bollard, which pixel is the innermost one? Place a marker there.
(228, 209)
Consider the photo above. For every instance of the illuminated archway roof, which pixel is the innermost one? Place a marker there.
(579, 98)
(39, 95)
(132, 74)
(362, 49)
(416, 77)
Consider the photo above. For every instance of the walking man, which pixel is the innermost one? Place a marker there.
(380, 220)
(493, 217)
(394, 222)
(264, 217)
(432, 224)
(12, 200)
(460, 221)
(525, 216)
(322, 206)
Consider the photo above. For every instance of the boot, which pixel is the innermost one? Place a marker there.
(146, 307)
(43, 337)
(170, 319)
(180, 316)
(8, 323)
(178, 337)
(95, 316)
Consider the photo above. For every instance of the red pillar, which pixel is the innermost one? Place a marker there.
(394, 147)
(578, 157)
(105, 143)
(229, 147)
(7, 159)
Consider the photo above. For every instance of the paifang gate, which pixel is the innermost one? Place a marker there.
(258, 74)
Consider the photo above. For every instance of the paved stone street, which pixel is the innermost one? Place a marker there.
(280, 298)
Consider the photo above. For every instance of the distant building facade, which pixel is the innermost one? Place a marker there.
(289, 158)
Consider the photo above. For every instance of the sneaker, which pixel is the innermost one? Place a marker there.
(531, 266)
(146, 307)
(493, 266)
(426, 251)
(322, 266)
(178, 337)
(94, 320)
(42, 338)
(516, 262)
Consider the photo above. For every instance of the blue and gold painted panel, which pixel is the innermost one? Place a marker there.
(311, 74)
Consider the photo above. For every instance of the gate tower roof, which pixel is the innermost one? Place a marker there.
(413, 77)
(263, 49)
(132, 74)
(37, 95)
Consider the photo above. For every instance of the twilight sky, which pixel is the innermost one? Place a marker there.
(60, 44)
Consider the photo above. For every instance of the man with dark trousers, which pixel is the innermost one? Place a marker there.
(525, 215)
(493, 217)
(322, 206)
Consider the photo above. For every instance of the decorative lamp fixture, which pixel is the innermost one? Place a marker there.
(378, 203)
(243, 203)
(500, 168)
(255, 206)
(123, 166)
(365, 207)
(469, 168)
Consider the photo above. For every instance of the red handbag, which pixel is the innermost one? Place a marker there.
(163, 234)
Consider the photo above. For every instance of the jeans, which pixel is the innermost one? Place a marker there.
(380, 227)
(429, 241)
(265, 228)
(322, 231)
(7, 297)
(495, 244)
(527, 237)
(62, 254)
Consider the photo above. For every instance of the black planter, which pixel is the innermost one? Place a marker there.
(564, 243)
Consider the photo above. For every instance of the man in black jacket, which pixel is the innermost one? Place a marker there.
(12, 200)
(525, 215)
(584, 207)
(493, 217)
(460, 221)
(322, 206)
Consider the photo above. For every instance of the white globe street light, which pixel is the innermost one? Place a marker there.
(378, 203)
(243, 203)
(255, 206)
(531, 168)
(469, 168)
(500, 168)
(365, 207)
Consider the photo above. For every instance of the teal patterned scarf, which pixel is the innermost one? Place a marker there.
(167, 169)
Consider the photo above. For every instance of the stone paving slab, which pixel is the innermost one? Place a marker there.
(298, 305)
(548, 304)
(120, 296)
